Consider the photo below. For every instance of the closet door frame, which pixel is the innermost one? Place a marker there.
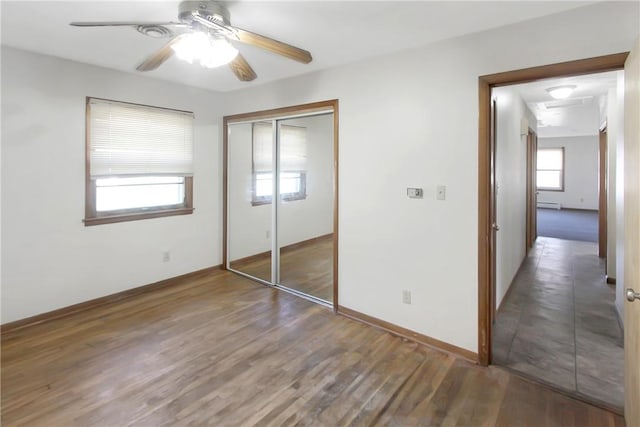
(275, 115)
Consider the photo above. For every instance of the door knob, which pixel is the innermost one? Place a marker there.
(496, 227)
(632, 295)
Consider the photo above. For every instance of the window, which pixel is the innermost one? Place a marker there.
(550, 171)
(139, 162)
(293, 163)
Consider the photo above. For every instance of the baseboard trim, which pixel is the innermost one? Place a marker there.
(266, 255)
(305, 243)
(242, 262)
(611, 280)
(580, 209)
(408, 334)
(98, 302)
(513, 279)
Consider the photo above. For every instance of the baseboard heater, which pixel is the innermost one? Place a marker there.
(549, 205)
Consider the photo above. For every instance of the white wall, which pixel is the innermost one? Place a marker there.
(511, 180)
(250, 226)
(50, 259)
(411, 119)
(580, 173)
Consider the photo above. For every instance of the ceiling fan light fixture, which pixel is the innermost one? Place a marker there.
(561, 92)
(222, 53)
(209, 51)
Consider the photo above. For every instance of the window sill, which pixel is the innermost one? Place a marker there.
(283, 199)
(109, 219)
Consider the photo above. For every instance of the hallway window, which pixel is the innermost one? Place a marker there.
(550, 171)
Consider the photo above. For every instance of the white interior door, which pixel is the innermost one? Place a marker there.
(632, 241)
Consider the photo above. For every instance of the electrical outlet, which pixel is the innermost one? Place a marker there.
(166, 256)
(406, 297)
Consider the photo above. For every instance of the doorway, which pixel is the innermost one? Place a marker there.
(280, 199)
(488, 183)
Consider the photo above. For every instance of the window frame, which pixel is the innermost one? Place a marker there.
(93, 217)
(561, 171)
(285, 197)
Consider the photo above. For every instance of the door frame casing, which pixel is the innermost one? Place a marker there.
(532, 190)
(602, 192)
(486, 186)
(281, 113)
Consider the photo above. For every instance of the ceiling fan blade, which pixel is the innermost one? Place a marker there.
(257, 40)
(242, 69)
(159, 56)
(126, 24)
(272, 45)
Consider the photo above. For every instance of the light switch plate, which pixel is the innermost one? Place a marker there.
(415, 193)
(441, 192)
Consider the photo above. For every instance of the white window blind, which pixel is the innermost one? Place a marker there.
(262, 147)
(293, 148)
(127, 139)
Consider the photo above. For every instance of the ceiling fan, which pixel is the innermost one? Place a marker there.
(208, 22)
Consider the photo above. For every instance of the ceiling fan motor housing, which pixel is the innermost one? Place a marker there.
(206, 9)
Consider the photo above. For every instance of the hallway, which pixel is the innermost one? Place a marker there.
(558, 322)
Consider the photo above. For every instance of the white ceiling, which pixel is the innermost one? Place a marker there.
(577, 115)
(335, 32)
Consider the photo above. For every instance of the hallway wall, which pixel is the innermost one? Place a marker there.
(511, 180)
(580, 172)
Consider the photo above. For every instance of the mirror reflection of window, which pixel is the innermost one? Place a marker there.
(293, 163)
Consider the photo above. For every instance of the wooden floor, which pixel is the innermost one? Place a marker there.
(222, 350)
(306, 267)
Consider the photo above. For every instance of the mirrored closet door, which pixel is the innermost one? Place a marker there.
(281, 220)
(250, 219)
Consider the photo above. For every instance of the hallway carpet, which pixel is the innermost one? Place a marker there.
(568, 224)
(558, 323)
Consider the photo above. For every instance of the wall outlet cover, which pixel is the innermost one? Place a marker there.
(406, 297)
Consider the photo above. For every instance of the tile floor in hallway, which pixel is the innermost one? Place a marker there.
(558, 322)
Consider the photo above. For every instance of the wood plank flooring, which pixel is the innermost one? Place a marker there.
(222, 350)
(306, 268)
